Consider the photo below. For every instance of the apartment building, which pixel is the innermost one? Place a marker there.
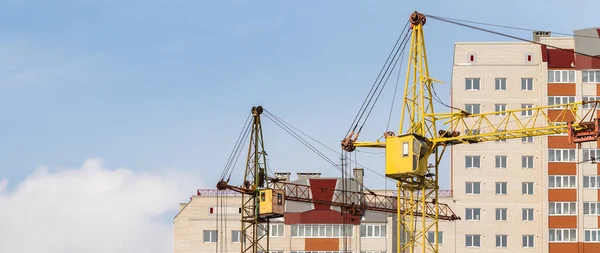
(305, 228)
(535, 194)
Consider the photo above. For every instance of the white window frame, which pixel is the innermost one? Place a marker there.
(562, 235)
(431, 237)
(473, 244)
(586, 76)
(473, 108)
(562, 182)
(526, 84)
(471, 185)
(212, 234)
(527, 188)
(561, 155)
(528, 241)
(527, 139)
(501, 188)
(591, 235)
(590, 98)
(501, 214)
(561, 76)
(527, 214)
(501, 161)
(475, 214)
(500, 84)
(526, 112)
(501, 109)
(373, 230)
(591, 182)
(321, 231)
(559, 100)
(277, 230)
(527, 162)
(589, 152)
(470, 83)
(501, 241)
(562, 208)
(235, 233)
(473, 158)
(591, 208)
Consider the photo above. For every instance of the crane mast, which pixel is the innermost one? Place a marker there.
(408, 154)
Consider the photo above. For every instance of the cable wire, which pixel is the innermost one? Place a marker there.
(510, 36)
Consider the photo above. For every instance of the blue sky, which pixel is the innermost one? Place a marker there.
(150, 85)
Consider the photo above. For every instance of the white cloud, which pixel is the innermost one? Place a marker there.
(92, 209)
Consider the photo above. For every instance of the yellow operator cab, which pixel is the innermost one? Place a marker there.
(406, 156)
(271, 203)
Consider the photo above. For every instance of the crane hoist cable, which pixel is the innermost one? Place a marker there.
(283, 122)
(235, 153)
(378, 81)
(299, 138)
(518, 28)
(510, 36)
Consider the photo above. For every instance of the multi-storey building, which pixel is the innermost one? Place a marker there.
(305, 228)
(536, 194)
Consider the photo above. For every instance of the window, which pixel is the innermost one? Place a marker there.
(527, 162)
(561, 76)
(591, 208)
(528, 57)
(563, 235)
(210, 236)
(526, 83)
(527, 139)
(527, 214)
(526, 112)
(590, 105)
(501, 161)
(501, 108)
(501, 137)
(473, 213)
(561, 130)
(591, 76)
(472, 131)
(471, 57)
(472, 108)
(501, 213)
(559, 100)
(561, 155)
(473, 188)
(321, 230)
(471, 83)
(592, 235)
(501, 241)
(473, 240)
(500, 84)
(472, 161)
(276, 230)
(563, 208)
(373, 231)
(561, 182)
(236, 236)
(528, 241)
(527, 188)
(501, 188)
(591, 182)
(590, 154)
(405, 149)
(431, 238)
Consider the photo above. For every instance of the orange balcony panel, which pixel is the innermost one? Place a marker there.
(322, 244)
(559, 142)
(591, 247)
(560, 115)
(560, 168)
(562, 89)
(562, 247)
(562, 195)
(562, 221)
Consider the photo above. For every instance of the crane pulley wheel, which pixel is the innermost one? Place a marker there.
(417, 18)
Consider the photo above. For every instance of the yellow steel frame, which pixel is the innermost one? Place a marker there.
(418, 112)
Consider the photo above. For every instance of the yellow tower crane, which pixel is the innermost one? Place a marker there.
(407, 155)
